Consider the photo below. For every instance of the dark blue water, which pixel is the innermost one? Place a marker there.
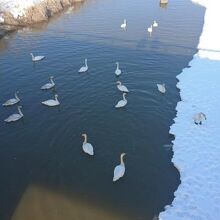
(45, 147)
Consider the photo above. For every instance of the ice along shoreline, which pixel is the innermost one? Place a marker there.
(196, 147)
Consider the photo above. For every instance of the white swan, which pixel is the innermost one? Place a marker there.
(36, 58)
(52, 102)
(49, 85)
(150, 29)
(155, 24)
(83, 69)
(161, 88)
(124, 25)
(199, 118)
(121, 87)
(16, 116)
(12, 101)
(119, 170)
(122, 102)
(117, 71)
(87, 147)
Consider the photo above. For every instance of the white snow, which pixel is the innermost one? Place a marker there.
(17, 7)
(197, 147)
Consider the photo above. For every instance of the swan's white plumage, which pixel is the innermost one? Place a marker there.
(124, 25)
(119, 170)
(49, 85)
(52, 102)
(122, 102)
(121, 87)
(199, 118)
(150, 29)
(161, 88)
(36, 58)
(117, 71)
(15, 117)
(87, 147)
(155, 24)
(83, 69)
(12, 101)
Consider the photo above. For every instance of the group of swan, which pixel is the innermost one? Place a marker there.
(50, 102)
(150, 29)
(119, 170)
(11, 102)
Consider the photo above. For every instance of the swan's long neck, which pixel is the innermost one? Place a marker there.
(86, 62)
(20, 112)
(124, 97)
(32, 55)
(52, 82)
(85, 139)
(117, 65)
(125, 22)
(16, 96)
(122, 161)
(56, 98)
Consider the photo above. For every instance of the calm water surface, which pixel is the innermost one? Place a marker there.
(45, 147)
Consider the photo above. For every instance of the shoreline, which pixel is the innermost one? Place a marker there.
(196, 147)
(21, 13)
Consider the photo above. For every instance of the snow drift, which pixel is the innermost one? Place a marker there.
(196, 147)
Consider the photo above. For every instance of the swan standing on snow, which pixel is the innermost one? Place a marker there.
(155, 24)
(199, 118)
(117, 71)
(121, 87)
(12, 101)
(49, 85)
(87, 147)
(124, 25)
(16, 116)
(122, 102)
(150, 29)
(161, 88)
(119, 170)
(83, 69)
(36, 58)
(52, 102)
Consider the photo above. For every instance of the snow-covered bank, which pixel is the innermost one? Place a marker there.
(196, 147)
(23, 12)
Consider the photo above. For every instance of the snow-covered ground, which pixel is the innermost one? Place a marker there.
(197, 147)
(17, 7)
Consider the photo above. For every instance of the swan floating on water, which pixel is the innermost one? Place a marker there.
(150, 29)
(49, 85)
(124, 25)
(121, 87)
(87, 147)
(52, 102)
(83, 69)
(199, 118)
(122, 102)
(117, 71)
(161, 88)
(16, 116)
(36, 58)
(155, 24)
(12, 101)
(119, 170)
